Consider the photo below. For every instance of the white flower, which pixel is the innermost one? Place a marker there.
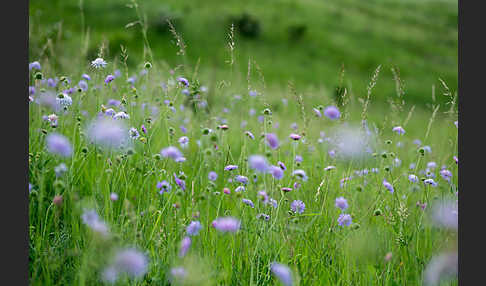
(121, 115)
(98, 63)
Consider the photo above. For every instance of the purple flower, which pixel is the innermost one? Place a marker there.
(107, 133)
(91, 219)
(272, 140)
(180, 183)
(456, 159)
(446, 174)
(242, 179)
(230, 167)
(456, 123)
(248, 202)
(249, 134)
(144, 130)
(294, 136)
(86, 77)
(300, 174)
(226, 224)
(113, 196)
(430, 182)
(328, 168)
(113, 102)
(281, 165)
(263, 196)
(399, 130)
(412, 178)
(185, 244)
(258, 163)
(212, 176)
(344, 219)
(239, 189)
(282, 272)
(98, 63)
(193, 228)
(133, 132)
(58, 144)
(445, 214)
(298, 159)
(51, 82)
(177, 274)
(272, 202)
(184, 141)
(252, 93)
(431, 165)
(121, 115)
(341, 203)
(317, 112)
(184, 81)
(263, 216)
(441, 267)
(297, 206)
(34, 65)
(109, 78)
(164, 187)
(172, 152)
(31, 90)
(388, 186)
(332, 112)
(131, 262)
(83, 85)
(276, 172)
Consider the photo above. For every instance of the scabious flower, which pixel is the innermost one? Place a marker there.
(60, 169)
(440, 268)
(59, 145)
(83, 85)
(230, 167)
(399, 130)
(64, 100)
(180, 183)
(272, 140)
(91, 219)
(239, 189)
(430, 182)
(446, 174)
(332, 112)
(300, 174)
(248, 202)
(34, 65)
(242, 179)
(297, 206)
(250, 135)
(252, 93)
(173, 153)
(445, 214)
(183, 80)
(431, 165)
(177, 274)
(164, 187)
(263, 216)
(282, 272)
(212, 176)
(121, 115)
(226, 224)
(389, 186)
(98, 63)
(109, 78)
(341, 203)
(294, 136)
(317, 112)
(107, 133)
(134, 133)
(344, 219)
(258, 162)
(193, 228)
(52, 118)
(276, 172)
(412, 178)
(456, 159)
(281, 165)
(272, 202)
(183, 141)
(185, 244)
(86, 77)
(131, 262)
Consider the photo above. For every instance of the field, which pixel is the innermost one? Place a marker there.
(222, 160)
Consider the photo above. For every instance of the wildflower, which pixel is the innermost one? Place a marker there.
(113, 102)
(64, 100)
(431, 165)
(298, 159)
(250, 135)
(388, 186)
(294, 136)
(281, 165)
(263, 216)
(282, 272)
(132, 262)
(317, 112)
(185, 244)
(193, 228)
(239, 189)
(121, 115)
(60, 169)
(109, 78)
(456, 159)
(456, 123)
(144, 130)
(172, 152)
(230, 167)
(297, 206)
(399, 130)
(180, 183)
(276, 172)
(57, 200)
(300, 174)
(134, 133)
(184, 81)
(91, 219)
(441, 267)
(446, 174)
(272, 140)
(58, 144)
(52, 82)
(31, 90)
(114, 196)
(86, 77)
(164, 187)
(183, 141)
(332, 112)
(226, 224)
(34, 65)
(212, 176)
(286, 189)
(273, 202)
(445, 214)
(430, 182)
(412, 178)
(242, 179)
(344, 219)
(226, 191)
(341, 203)
(83, 85)
(328, 168)
(252, 93)
(248, 202)
(258, 163)
(110, 112)
(178, 273)
(98, 63)
(52, 118)
(107, 133)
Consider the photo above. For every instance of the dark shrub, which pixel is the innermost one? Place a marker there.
(247, 25)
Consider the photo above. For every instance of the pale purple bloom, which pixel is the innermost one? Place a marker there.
(412, 178)
(242, 179)
(86, 77)
(58, 144)
(294, 126)
(273, 202)
(399, 130)
(297, 206)
(388, 186)
(282, 272)
(178, 274)
(31, 90)
(332, 112)
(109, 78)
(276, 172)
(328, 168)
(164, 187)
(300, 174)
(183, 80)
(91, 219)
(412, 166)
(83, 85)
(239, 189)
(456, 159)
(249, 134)
(272, 140)
(226, 224)
(60, 169)
(317, 112)
(248, 202)
(184, 141)
(281, 165)
(51, 82)
(344, 219)
(185, 244)
(64, 100)
(446, 174)
(107, 133)
(298, 159)
(193, 228)
(110, 112)
(133, 133)
(431, 165)
(430, 182)
(132, 262)
(230, 167)
(297, 185)
(294, 136)
(121, 115)
(332, 153)
(251, 112)
(172, 152)
(252, 93)
(98, 63)
(263, 196)
(180, 183)
(440, 268)
(212, 176)
(258, 163)
(34, 65)
(456, 123)
(113, 196)
(427, 149)
(263, 216)
(113, 102)
(445, 214)
(286, 189)
(341, 203)
(144, 130)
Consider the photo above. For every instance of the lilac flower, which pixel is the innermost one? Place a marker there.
(272, 140)
(276, 172)
(240, 189)
(341, 203)
(250, 135)
(298, 159)
(344, 181)
(113, 102)
(193, 228)
(226, 224)
(286, 189)
(332, 112)
(212, 176)
(272, 202)
(446, 174)
(258, 162)
(64, 100)
(388, 186)
(180, 183)
(440, 268)
(51, 82)
(185, 244)
(430, 182)
(109, 78)
(300, 174)
(121, 115)
(282, 272)
(60, 169)
(31, 90)
(445, 214)
(295, 137)
(183, 80)
(86, 77)
(91, 219)
(113, 196)
(328, 168)
(58, 144)
(107, 132)
(110, 112)
(412, 178)
(431, 165)
(144, 130)
(281, 165)
(134, 133)
(132, 262)
(242, 179)
(297, 206)
(263, 196)
(252, 112)
(34, 65)
(399, 130)
(83, 85)
(344, 219)
(98, 63)
(297, 185)
(252, 93)
(263, 216)
(172, 152)
(183, 141)
(317, 112)
(177, 274)
(248, 202)
(52, 118)
(230, 167)
(164, 187)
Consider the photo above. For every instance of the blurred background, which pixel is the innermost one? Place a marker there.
(306, 41)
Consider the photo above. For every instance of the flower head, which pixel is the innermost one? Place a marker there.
(389, 186)
(282, 272)
(34, 65)
(98, 63)
(212, 176)
(412, 178)
(297, 206)
(259, 163)
(248, 202)
(109, 78)
(164, 187)
(276, 172)
(193, 228)
(185, 244)
(91, 219)
(107, 133)
(399, 130)
(272, 140)
(344, 219)
(227, 224)
(341, 203)
(134, 134)
(230, 167)
(131, 261)
(332, 112)
(173, 153)
(300, 174)
(59, 145)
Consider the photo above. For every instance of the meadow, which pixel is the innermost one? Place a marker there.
(167, 170)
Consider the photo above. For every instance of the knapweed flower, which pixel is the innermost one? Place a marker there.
(294, 136)
(183, 141)
(59, 145)
(282, 272)
(109, 78)
(107, 133)
(212, 176)
(430, 182)
(389, 186)
(399, 130)
(300, 174)
(60, 169)
(272, 140)
(286, 189)
(121, 115)
(297, 206)
(227, 224)
(91, 219)
(258, 162)
(185, 244)
(98, 63)
(132, 262)
(144, 130)
(344, 219)
(193, 228)
(164, 187)
(34, 65)
(412, 178)
(242, 179)
(276, 172)
(230, 167)
(341, 203)
(133, 132)
(332, 112)
(183, 80)
(172, 152)
(248, 202)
